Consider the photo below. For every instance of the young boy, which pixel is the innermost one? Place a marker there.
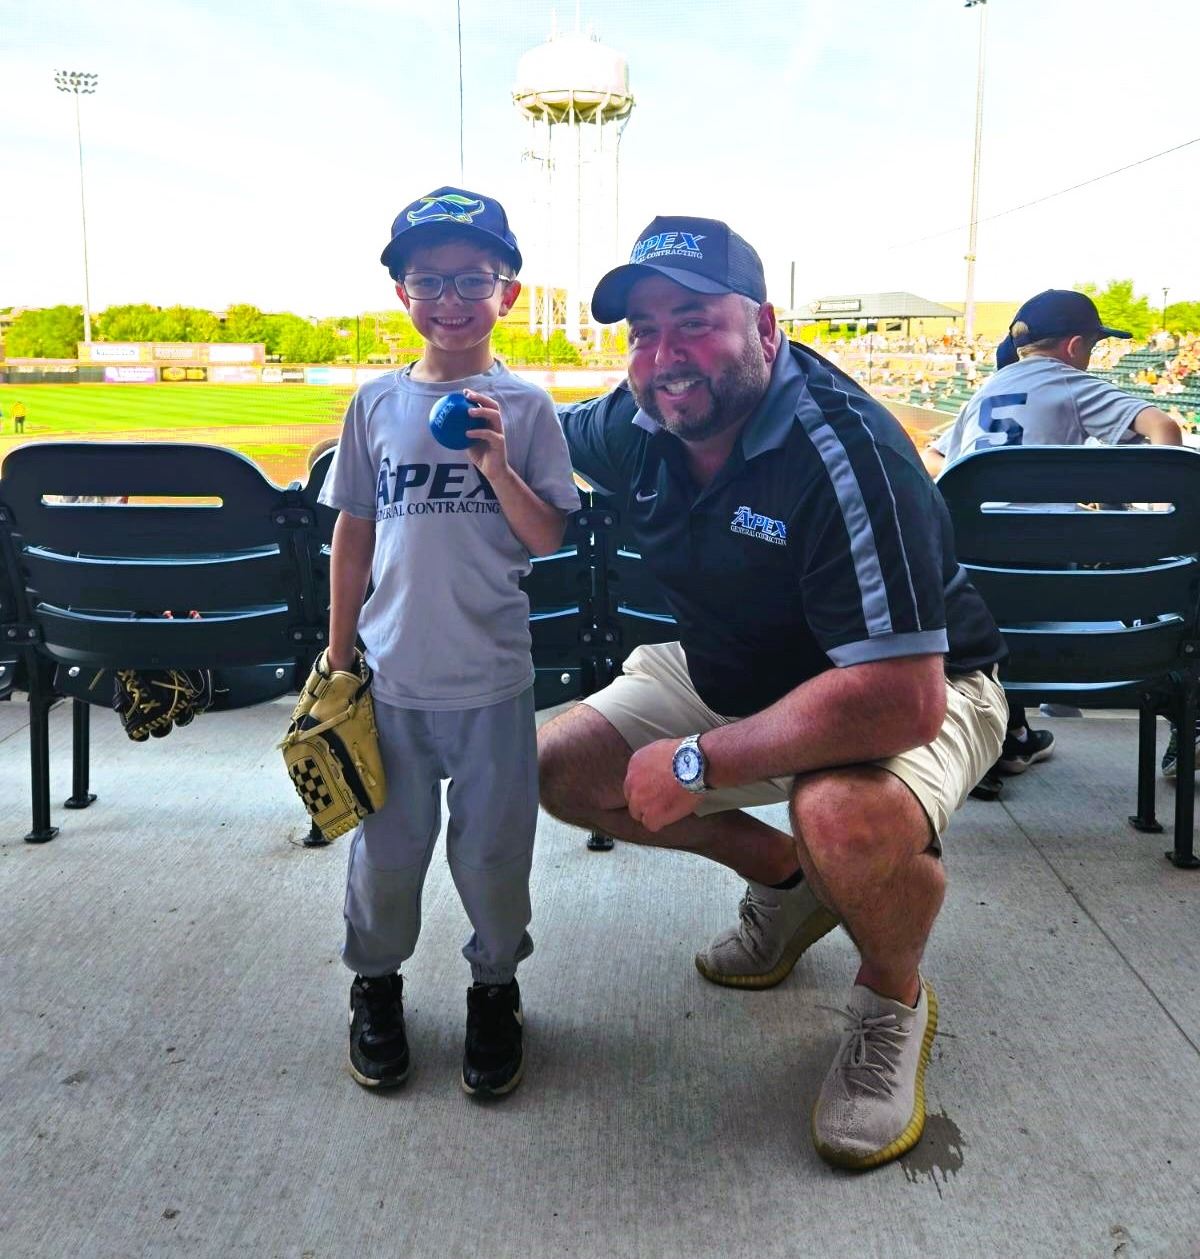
(445, 535)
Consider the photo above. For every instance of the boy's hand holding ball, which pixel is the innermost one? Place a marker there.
(470, 421)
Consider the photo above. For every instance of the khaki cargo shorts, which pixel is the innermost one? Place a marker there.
(655, 699)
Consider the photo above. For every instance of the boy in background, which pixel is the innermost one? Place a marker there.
(445, 536)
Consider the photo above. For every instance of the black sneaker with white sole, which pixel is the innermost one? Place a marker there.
(1018, 754)
(494, 1055)
(1170, 760)
(988, 787)
(378, 1045)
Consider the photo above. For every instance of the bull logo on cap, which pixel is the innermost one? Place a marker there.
(449, 207)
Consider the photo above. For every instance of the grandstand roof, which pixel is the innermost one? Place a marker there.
(847, 307)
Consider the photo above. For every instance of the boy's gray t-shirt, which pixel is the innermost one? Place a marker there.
(447, 625)
(1041, 401)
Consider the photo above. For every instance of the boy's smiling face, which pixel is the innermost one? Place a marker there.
(450, 323)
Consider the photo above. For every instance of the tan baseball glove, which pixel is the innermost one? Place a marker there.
(331, 749)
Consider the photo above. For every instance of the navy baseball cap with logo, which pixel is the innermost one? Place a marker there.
(703, 255)
(1058, 313)
(455, 207)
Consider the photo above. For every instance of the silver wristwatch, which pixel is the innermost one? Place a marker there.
(689, 765)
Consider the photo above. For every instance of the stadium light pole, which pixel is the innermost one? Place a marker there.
(969, 304)
(1165, 292)
(80, 83)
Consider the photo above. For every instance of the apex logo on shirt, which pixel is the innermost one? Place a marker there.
(425, 489)
(667, 244)
(755, 525)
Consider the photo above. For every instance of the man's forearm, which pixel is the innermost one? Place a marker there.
(841, 717)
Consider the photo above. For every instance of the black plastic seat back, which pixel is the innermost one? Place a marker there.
(13, 625)
(211, 539)
(637, 607)
(1093, 603)
(559, 588)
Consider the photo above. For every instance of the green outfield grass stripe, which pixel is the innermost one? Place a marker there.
(112, 408)
(275, 425)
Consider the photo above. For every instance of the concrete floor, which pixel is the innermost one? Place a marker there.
(172, 1039)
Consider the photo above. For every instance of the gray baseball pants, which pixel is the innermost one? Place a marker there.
(490, 756)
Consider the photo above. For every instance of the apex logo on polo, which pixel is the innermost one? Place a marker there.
(668, 245)
(449, 207)
(755, 525)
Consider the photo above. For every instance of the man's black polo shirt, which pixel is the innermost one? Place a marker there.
(822, 542)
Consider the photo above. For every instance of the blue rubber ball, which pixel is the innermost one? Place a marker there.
(449, 421)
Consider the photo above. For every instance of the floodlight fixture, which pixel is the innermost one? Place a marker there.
(79, 83)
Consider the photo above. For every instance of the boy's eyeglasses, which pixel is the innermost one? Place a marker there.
(471, 286)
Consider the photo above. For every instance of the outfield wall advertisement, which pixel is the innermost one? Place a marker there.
(113, 352)
(141, 363)
(223, 353)
(197, 353)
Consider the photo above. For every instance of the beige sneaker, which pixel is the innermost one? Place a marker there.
(872, 1105)
(773, 929)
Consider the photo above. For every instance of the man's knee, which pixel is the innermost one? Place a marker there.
(581, 764)
(859, 814)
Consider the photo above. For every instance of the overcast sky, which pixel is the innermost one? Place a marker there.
(257, 151)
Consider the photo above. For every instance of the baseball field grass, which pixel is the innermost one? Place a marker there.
(275, 425)
(72, 410)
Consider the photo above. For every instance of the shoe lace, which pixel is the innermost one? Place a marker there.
(383, 1003)
(871, 1046)
(752, 912)
(490, 1020)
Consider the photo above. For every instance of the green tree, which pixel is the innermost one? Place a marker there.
(393, 333)
(130, 323)
(1183, 317)
(562, 351)
(323, 345)
(51, 333)
(356, 337)
(1120, 308)
(188, 323)
(286, 335)
(244, 324)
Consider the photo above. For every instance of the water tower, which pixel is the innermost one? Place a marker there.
(574, 95)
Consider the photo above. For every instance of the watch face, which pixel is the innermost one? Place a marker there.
(687, 765)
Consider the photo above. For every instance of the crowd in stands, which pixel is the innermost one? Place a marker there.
(942, 371)
(1165, 367)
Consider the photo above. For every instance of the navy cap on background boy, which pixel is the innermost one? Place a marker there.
(1053, 313)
